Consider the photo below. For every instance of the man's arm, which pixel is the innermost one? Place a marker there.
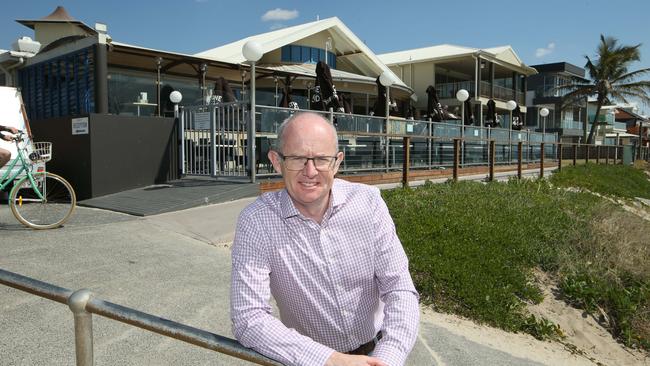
(253, 324)
(396, 290)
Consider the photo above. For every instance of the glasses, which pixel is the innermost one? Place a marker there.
(321, 163)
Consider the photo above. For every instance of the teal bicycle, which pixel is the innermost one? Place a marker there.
(38, 199)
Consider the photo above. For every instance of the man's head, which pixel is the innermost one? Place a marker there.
(307, 135)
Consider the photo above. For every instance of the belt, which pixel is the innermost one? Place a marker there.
(366, 348)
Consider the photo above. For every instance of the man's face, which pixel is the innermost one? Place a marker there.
(308, 136)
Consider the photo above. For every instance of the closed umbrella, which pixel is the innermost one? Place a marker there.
(324, 96)
(379, 109)
(491, 116)
(434, 109)
(517, 122)
(286, 101)
(469, 113)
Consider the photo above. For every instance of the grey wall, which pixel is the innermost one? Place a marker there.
(118, 153)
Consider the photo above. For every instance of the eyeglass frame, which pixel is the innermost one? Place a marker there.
(313, 160)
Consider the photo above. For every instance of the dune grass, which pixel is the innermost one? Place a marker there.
(473, 248)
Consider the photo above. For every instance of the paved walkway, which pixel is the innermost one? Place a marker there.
(161, 265)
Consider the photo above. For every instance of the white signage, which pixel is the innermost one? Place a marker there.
(475, 132)
(409, 127)
(80, 126)
(202, 121)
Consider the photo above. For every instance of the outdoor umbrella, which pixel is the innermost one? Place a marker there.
(469, 114)
(286, 101)
(434, 110)
(222, 93)
(379, 108)
(517, 122)
(491, 117)
(324, 96)
(345, 102)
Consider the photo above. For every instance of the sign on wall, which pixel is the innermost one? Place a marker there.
(80, 126)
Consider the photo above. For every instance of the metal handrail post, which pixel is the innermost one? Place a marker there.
(251, 128)
(83, 326)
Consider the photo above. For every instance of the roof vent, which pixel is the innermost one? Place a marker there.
(26, 44)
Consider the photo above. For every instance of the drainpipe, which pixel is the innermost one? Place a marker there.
(7, 71)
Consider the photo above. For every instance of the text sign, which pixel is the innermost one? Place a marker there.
(80, 126)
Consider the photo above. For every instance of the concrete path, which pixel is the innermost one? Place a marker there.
(174, 265)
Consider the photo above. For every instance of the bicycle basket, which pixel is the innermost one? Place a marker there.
(41, 152)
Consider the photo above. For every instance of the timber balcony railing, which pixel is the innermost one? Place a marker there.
(83, 305)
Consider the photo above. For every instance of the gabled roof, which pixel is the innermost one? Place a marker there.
(502, 54)
(348, 47)
(59, 15)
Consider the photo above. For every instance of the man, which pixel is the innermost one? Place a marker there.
(5, 155)
(327, 251)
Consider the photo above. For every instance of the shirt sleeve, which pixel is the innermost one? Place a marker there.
(396, 290)
(253, 324)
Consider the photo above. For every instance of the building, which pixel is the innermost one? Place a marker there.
(568, 121)
(496, 74)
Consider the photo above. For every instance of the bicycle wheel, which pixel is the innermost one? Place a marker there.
(48, 212)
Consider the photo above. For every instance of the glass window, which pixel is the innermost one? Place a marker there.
(305, 53)
(286, 53)
(314, 55)
(321, 55)
(295, 53)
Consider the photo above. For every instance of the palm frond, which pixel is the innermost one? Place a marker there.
(631, 75)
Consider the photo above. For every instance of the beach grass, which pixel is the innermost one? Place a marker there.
(473, 249)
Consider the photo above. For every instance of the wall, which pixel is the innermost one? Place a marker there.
(118, 153)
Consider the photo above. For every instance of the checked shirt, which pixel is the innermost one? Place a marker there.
(336, 284)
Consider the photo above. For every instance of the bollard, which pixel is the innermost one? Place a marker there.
(597, 154)
(491, 159)
(520, 145)
(575, 154)
(83, 327)
(559, 160)
(456, 159)
(541, 162)
(407, 161)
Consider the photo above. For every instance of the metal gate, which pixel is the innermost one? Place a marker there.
(214, 140)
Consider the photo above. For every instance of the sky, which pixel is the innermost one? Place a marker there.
(539, 31)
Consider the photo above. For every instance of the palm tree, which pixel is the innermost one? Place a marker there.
(610, 79)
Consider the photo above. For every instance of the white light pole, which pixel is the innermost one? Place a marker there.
(252, 52)
(386, 79)
(175, 97)
(462, 95)
(328, 46)
(543, 112)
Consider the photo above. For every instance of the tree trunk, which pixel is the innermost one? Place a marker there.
(590, 138)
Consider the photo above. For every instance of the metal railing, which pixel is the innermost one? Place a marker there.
(83, 304)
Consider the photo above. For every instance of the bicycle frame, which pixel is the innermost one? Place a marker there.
(25, 166)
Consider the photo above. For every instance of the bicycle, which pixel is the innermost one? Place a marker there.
(38, 199)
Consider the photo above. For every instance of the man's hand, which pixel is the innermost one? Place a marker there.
(13, 130)
(341, 359)
(6, 137)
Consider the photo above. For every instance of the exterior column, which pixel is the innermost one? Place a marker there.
(101, 79)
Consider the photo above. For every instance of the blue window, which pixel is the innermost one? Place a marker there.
(314, 55)
(305, 54)
(321, 55)
(295, 53)
(286, 53)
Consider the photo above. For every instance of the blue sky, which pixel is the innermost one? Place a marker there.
(539, 31)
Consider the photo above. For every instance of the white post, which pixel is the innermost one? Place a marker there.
(252, 52)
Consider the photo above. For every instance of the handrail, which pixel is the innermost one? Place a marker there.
(83, 303)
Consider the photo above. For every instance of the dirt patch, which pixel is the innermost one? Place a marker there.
(583, 331)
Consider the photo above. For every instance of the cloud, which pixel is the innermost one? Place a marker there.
(278, 14)
(541, 52)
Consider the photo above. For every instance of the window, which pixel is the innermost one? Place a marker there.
(62, 86)
(306, 54)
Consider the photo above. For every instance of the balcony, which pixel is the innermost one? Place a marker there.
(448, 91)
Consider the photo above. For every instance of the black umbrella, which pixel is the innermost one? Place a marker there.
(469, 113)
(517, 122)
(434, 109)
(379, 109)
(222, 92)
(345, 102)
(286, 101)
(324, 96)
(491, 117)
